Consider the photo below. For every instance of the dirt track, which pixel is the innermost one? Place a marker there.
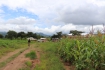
(19, 61)
(9, 54)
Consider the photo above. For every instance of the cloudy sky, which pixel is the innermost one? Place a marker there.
(51, 16)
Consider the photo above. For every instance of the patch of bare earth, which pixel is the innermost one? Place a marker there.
(37, 60)
(19, 61)
(5, 57)
(68, 66)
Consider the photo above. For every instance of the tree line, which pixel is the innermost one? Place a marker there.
(14, 35)
(73, 32)
(20, 35)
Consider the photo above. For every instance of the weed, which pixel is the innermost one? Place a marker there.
(28, 63)
(31, 55)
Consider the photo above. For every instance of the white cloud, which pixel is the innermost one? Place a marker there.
(54, 15)
(21, 21)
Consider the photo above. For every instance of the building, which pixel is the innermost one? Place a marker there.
(32, 39)
(42, 40)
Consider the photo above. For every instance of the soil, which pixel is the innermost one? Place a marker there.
(9, 55)
(68, 66)
(19, 61)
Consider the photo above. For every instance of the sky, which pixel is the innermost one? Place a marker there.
(51, 16)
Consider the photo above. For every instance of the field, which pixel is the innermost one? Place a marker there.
(85, 53)
(67, 54)
(17, 55)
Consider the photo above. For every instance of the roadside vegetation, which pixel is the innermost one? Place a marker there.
(49, 57)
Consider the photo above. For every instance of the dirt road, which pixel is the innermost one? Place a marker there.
(19, 61)
(9, 54)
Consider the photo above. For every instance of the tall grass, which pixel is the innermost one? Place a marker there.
(85, 54)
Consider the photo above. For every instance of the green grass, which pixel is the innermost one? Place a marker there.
(7, 46)
(49, 59)
(28, 66)
(28, 63)
(31, 55)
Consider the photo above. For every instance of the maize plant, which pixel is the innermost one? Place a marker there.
(85, 54)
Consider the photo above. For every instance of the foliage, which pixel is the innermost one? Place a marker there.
(21, 35)
(85, 54)
(29, 34)
(31, 54)
(58, 35)
(75, 32)
(1, 36)
(11, 34)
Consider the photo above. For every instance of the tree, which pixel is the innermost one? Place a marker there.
(11, 34)
(55, 36)
(21, 35)
(75, 32)
(36, 36)
(1, 36)
(29, 34)
(59, 34)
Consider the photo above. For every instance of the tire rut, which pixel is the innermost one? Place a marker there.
(17, 62)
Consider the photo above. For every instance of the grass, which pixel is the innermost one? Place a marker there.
(31, 55)
(7, 46)
(28, 66)
(29, 63)
(49, 58)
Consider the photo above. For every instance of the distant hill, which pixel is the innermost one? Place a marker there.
(43, 34)
(3, 33)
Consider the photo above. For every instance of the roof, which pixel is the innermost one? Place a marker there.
(42, 38)
(31, 38)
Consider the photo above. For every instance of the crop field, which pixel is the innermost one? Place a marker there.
(80, 54)
(84, 54)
